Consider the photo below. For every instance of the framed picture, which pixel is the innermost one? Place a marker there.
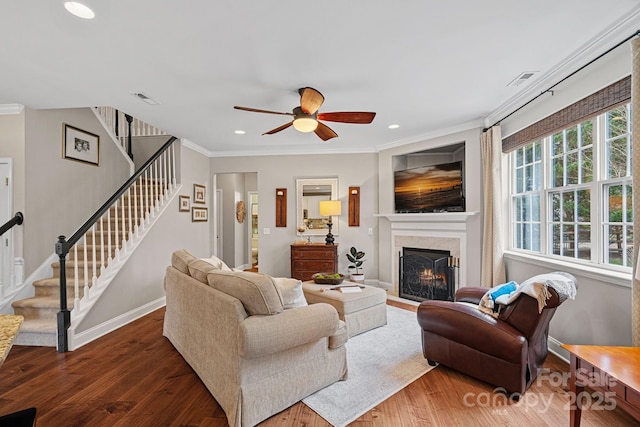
(199, 214)
(185, 204)
(80, 145)
(199, 193)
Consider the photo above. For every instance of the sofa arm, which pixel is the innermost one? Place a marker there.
(262, 335)
(470, 294)
(469, 326)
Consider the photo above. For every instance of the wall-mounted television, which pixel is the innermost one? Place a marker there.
(435, 188)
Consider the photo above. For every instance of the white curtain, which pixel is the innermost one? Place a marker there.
(493, 270)
(635, 119)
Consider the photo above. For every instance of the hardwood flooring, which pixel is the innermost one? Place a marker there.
(134, 377)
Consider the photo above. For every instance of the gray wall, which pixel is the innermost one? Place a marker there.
(143, 147)
(281, 172)
(61, 194)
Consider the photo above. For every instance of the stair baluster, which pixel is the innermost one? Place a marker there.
(124, 223)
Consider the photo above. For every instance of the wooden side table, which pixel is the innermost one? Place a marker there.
(310, 258)
(614, 371)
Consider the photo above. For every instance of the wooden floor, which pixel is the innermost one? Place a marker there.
(134, 377)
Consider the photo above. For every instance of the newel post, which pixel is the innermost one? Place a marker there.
(129, 121)
(64, 315)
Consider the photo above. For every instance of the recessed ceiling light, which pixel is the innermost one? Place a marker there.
(80, 10)
(239, 132)
(394, 126)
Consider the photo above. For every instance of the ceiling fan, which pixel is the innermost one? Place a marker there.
(306, 117)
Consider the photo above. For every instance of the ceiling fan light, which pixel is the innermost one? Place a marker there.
(305, 124)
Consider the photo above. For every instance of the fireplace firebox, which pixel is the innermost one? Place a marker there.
(427, 274)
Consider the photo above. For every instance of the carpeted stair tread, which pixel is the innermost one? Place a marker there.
(54, 282)
(39, 325)
(45, 302)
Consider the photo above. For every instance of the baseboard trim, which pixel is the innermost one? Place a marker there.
(555, 347)
(85, 337)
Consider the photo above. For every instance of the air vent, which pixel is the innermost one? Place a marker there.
(523, 77)
(144, 97)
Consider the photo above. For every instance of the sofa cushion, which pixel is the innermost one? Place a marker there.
(180, 260)
(291, 291)
(257, 292)
(199, 268)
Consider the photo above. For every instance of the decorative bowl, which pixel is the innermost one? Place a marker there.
(324, 279)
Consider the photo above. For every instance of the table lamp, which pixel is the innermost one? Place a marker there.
(330, 208)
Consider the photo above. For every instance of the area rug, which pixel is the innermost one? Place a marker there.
(381, 362)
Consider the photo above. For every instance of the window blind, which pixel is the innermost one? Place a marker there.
(615, 94)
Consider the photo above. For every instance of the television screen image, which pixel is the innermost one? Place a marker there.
(436, 188)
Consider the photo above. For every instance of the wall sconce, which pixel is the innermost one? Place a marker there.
(354, 206)
(330, 208)
(281, 207)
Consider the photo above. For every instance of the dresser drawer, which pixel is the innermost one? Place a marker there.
(313, 254)
(317, 265)
(633, 398)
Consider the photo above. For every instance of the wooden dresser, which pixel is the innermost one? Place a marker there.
(310, 258)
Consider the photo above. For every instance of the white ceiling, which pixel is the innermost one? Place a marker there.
(430, 67)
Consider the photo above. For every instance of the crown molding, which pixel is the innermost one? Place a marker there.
(474, 124)
(608, 38)
(6, 109)
(195, 147)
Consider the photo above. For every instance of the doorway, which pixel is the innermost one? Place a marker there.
(252, 196)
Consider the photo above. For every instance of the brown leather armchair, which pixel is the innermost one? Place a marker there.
(506, 352)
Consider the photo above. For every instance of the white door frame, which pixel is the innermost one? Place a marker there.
(217, 224)
(6, 240)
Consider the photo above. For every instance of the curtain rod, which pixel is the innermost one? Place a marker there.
(637, 33)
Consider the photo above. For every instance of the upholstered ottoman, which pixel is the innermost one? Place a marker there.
(361, 311)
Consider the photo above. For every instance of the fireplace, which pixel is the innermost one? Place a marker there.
(427, 274)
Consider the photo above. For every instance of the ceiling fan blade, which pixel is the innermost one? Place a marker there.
(278, 129)
(360, 117)
(256, 110)
(310, 100)
(325, 132)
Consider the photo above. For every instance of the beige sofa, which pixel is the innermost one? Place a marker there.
(256, 357)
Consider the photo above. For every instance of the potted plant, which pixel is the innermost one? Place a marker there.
(355, 257)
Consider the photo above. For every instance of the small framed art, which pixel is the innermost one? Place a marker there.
(185, 203)
(80, 145)
(199, 193)
(199, 214)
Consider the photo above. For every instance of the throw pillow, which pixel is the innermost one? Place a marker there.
(180, 260)
(257, 292)
(291, 290)
(217, 263)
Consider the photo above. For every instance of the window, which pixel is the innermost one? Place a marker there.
(571, 193)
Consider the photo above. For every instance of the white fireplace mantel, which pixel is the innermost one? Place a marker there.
(438, 230)
(429, 217)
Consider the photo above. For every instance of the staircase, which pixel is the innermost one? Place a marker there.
(87, 261)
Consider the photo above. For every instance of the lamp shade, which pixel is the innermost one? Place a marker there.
(330, 207)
